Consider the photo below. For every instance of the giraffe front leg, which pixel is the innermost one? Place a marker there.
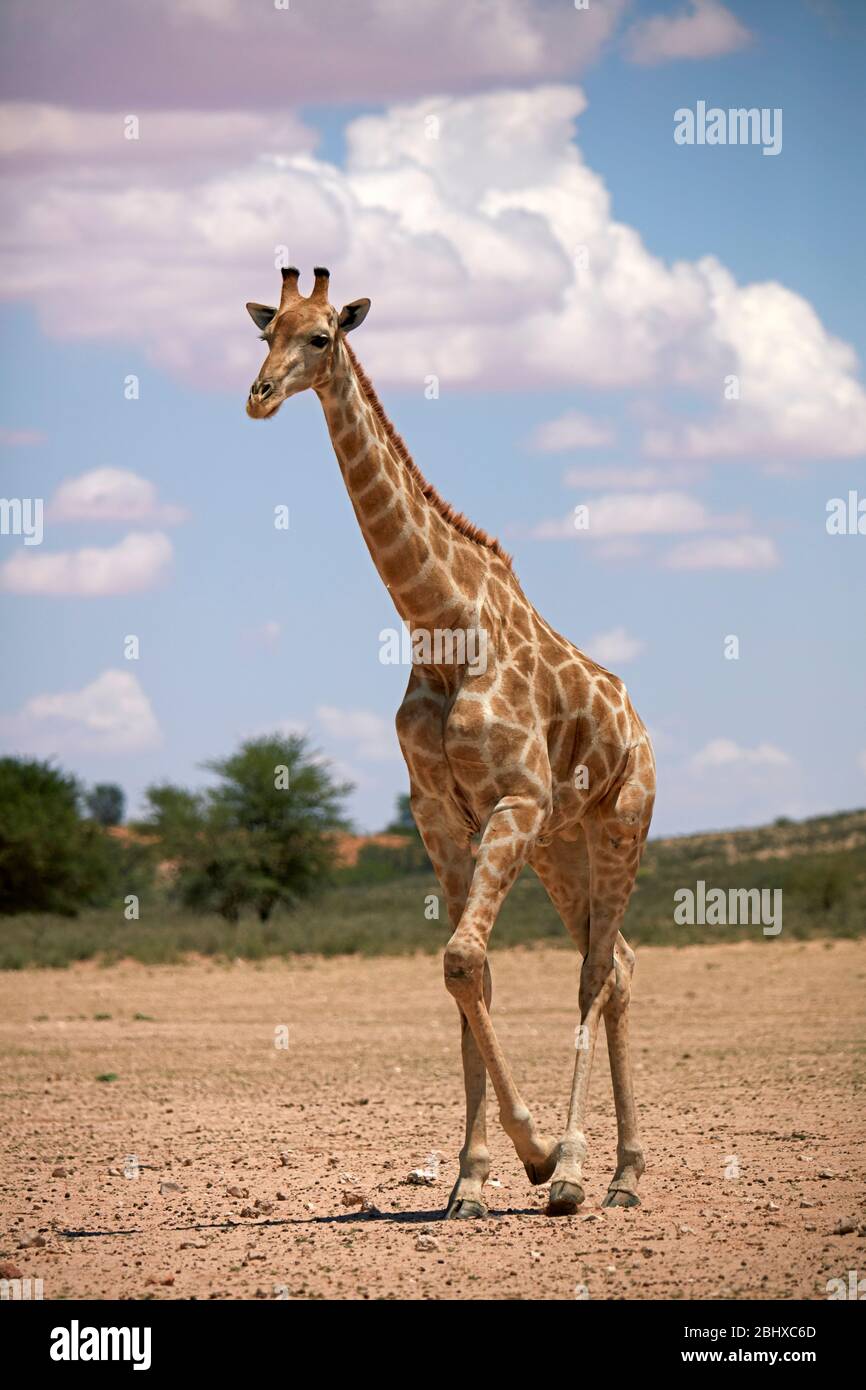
(566, 1188)
(505, 846)
(467, 1201)
(630, 1164)
(604, 991)
(454, 867)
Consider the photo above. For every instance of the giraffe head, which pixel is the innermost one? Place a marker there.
(301, 336)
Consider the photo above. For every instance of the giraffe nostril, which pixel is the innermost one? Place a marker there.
(260, 390)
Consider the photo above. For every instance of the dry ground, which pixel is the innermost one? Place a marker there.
(749, 1062)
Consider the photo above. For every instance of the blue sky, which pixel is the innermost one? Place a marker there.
(110, 268)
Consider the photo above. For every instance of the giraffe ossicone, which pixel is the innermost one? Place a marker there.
(538, 750)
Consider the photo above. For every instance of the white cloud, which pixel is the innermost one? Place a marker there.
(615, 647)
(111, 715)
(725, 552)
(727, 783)
(35, 134)
(633, 514)
(111, 494)
(724, 752)
(617, 521)
(231, 53)
(707, 29)
(140, 561)
(373, 736)
(571, 431)
(20, 439)
(484, 219)
(798, 394)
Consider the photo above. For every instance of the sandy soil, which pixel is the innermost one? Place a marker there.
(750, 1063)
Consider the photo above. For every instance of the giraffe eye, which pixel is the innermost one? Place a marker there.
(319, 340)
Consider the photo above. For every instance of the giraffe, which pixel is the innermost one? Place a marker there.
(535, 753)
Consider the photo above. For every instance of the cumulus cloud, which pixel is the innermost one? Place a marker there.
(203, 54)
(111, 715)
(614, 648)
(571, 431)
(619, 521)
(373, 737)
(744, 552)
(632, 514)
(140, 561)
(706, 29)
(726, 782)
(798, 394)
(111, 494)
(458, 206)
(724, 752)
(34, 134)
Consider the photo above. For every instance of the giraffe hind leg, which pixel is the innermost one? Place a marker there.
(590, 890)
(563, 867)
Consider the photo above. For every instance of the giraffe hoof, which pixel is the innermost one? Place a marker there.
(564, 1199)
(621, 1197)
(466, 1209)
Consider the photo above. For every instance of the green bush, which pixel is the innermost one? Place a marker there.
(52, 859)
(259, 838)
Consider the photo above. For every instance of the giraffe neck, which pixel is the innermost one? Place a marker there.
(398, 522)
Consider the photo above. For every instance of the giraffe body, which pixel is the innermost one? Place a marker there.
(535, 749)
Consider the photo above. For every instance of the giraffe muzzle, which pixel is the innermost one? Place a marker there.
(260, 402)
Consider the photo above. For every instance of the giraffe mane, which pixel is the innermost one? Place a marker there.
(449, 514)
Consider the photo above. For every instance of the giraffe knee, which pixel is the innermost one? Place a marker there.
(597, 980)
(464, 964)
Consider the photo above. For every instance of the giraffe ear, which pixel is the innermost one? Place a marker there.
(260, 314)
(353, 314)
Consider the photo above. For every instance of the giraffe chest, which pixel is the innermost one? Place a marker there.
(493, 749)
(466, 750)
